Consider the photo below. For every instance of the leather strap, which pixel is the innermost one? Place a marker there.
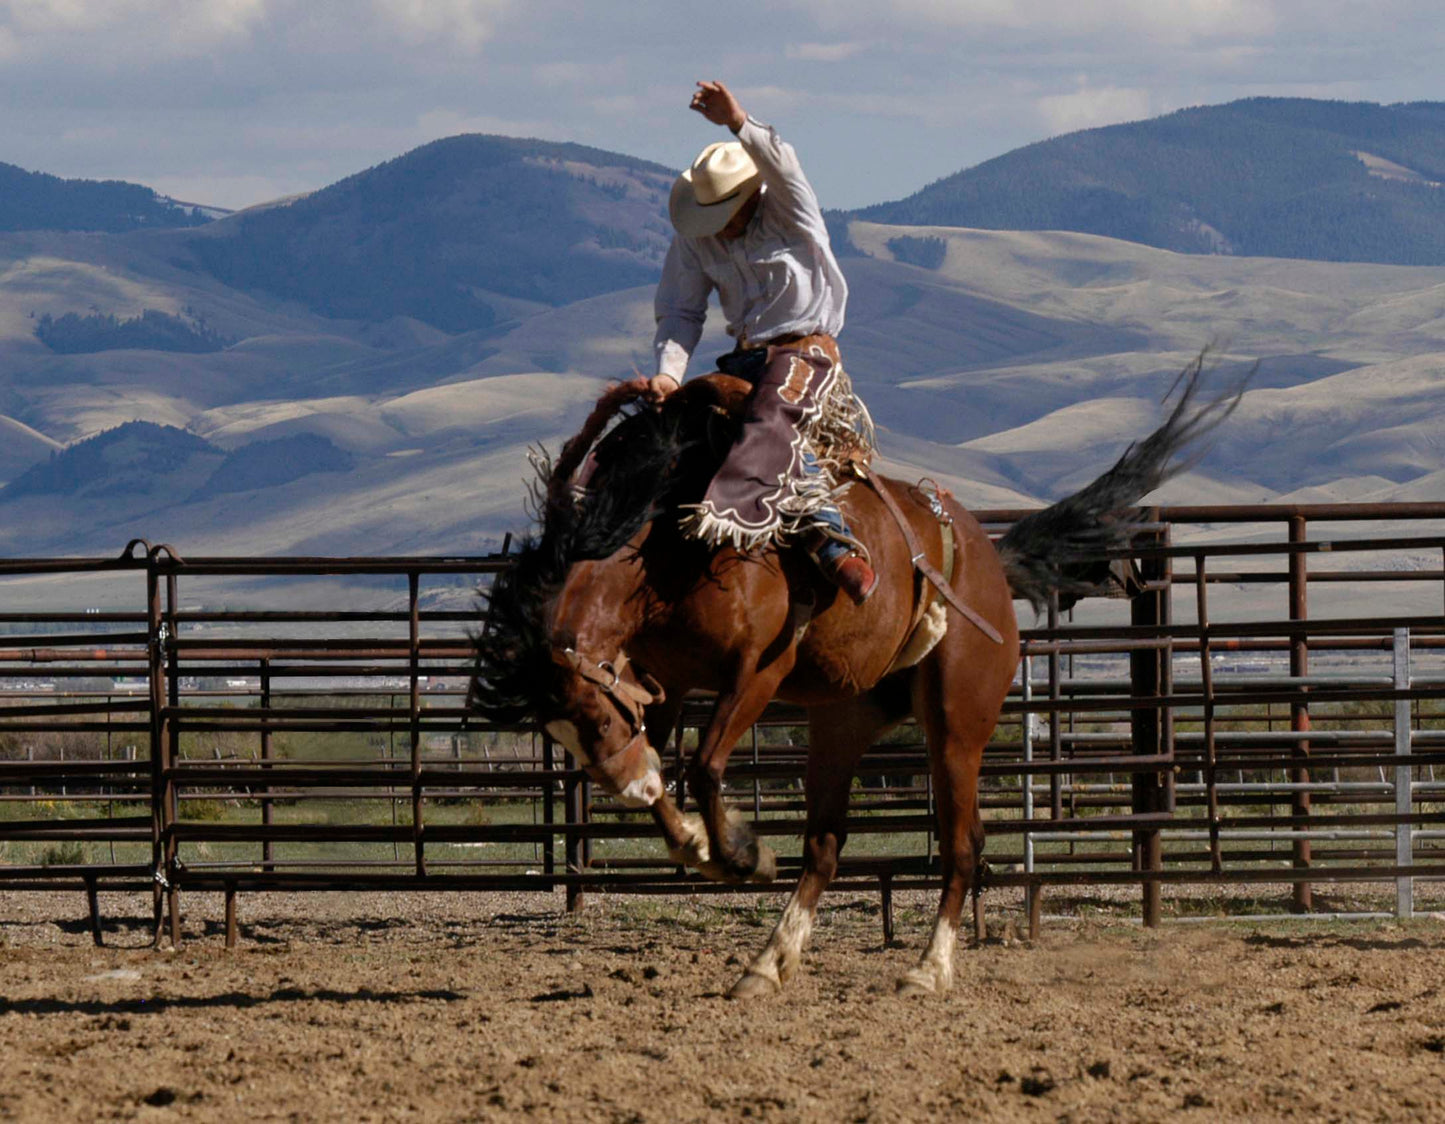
(622, 766)
(921, 563)
(632, 697)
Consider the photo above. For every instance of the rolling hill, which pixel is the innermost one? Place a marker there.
(1263, 177)
(379, 356)
(37, 201)
(441, 232)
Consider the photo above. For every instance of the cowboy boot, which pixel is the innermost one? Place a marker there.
(854, 576)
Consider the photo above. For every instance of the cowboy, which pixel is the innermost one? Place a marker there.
(748, 224)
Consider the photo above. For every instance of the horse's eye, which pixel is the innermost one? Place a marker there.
(605, 726)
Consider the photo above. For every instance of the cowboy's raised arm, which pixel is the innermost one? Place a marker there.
(781, 171)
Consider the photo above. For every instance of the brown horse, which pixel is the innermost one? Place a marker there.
(610, 616)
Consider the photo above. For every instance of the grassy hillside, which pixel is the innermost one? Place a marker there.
(436, 233)
(1293, 178)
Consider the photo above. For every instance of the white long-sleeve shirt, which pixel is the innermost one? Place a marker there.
(779, 278)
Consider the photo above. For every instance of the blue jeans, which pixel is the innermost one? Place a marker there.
(832, 549)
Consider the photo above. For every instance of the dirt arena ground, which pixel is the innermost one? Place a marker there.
(470, 1007)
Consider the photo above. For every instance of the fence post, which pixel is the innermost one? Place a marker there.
(1035, 889)
(549, 807)
(414, 720)
(156, 675)
(1404, 781)
(575, 844)
(267, 847)
(173, 755)
(1056, 733)
(1299, 666)
(1026, 695)
(391, 765)
(1149, 677)
(757, 781)
(1206, 680)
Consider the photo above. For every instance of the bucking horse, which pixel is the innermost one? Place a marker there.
(611, 614)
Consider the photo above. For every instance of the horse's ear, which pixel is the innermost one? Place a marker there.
(566, 658)
(650, 684)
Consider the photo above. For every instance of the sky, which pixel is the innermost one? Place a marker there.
(235, 102)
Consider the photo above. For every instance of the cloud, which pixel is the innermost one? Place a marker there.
(132, 31)
(154, 26)
(1171, 20)
(823, 52)
(1088, 108)
(466, 24)
(272, 96)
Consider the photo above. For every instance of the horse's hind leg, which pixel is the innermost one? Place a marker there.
(957, 723)
(838, 736)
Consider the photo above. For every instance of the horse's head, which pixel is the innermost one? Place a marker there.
(597, 714)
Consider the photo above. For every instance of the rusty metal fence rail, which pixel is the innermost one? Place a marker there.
(1250, 715)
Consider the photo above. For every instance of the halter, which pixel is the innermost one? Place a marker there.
(631, 698)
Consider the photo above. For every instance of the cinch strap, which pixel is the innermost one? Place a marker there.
(925, 567)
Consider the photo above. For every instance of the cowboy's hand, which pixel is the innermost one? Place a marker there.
(716, 102)
(659, 387)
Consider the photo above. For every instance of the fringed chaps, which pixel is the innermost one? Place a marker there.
(803, 404)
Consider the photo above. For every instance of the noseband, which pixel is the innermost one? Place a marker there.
(631, 698)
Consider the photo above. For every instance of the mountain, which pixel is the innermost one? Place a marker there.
(1263, 177)
(363, 371)
(36, 201)
(440, 233)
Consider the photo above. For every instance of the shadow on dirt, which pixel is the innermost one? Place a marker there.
(1336, 940)
(231, 1000)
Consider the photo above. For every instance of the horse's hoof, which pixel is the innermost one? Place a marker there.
(767, 868)
(715, 872)
(917, 982)
(754, 986)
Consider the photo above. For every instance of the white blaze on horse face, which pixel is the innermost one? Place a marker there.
(646, 790)
(565, 734)
(643, 792)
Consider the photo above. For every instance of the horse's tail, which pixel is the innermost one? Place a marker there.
(1065, 547)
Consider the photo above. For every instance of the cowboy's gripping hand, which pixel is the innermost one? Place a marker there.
(659, 387)
(716, 102)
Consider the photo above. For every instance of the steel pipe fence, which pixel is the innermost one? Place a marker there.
(1206, 730)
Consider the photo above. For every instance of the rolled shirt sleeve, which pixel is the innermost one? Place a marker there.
(681, 309)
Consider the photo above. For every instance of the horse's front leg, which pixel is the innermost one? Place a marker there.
(686, 836)
(734, 853)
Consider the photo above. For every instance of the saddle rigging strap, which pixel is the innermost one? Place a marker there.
(921, 563)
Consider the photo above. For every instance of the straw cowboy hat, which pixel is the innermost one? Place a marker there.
(707, 195)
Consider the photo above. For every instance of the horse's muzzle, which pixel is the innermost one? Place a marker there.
(634, 773)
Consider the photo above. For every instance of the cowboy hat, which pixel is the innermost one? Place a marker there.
(707, 195)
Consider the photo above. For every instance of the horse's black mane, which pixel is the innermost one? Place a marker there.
(646, 464)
